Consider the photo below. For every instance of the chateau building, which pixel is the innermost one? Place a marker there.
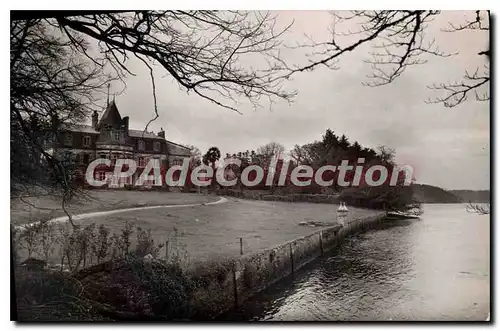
(110, 137)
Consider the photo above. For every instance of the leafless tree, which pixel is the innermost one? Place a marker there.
(482, 209)
(386, 154)
(29, 238)
(101, 243)
(54, 73)
(299, 155)
(270, 150)
(308, 154)
(195, 159)
(47, 240)
(205, 52)
(57, 78)
(51, 87)
(399, 39)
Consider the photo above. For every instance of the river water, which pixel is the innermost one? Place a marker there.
(435, 268)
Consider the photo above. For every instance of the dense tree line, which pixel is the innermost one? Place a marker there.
(332, 149)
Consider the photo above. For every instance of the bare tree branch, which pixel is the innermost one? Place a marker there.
(203, 51)
(481, 209)
(398, 39)
(457, 92)
(52, 86)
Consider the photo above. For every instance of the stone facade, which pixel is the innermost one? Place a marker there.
(110, 137)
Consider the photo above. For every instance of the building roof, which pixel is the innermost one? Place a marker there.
(132, 133)
(142, 134)
(111, 116)
(176, 144)
(176, 149)
(80, 128)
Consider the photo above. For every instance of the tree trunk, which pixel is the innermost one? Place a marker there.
(214, 181)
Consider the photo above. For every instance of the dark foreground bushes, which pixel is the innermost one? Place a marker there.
(135, 288)
(133, 283)
(131, 288)
(43, 295)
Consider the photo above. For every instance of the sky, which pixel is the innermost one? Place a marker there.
(447, 147)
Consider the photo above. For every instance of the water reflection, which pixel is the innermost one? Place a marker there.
(436, 268)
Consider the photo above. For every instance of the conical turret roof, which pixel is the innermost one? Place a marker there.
(111, 116)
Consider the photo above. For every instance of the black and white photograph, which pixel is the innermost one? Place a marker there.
(244, 166)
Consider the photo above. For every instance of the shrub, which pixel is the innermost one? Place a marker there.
(121, 285)
(14, 239)
(177, 251)
(47, 236)
(51, 296)
(204, 273)
(146, 244)
(124, 242)
(101, 244)
(29, 238)
(138, 289)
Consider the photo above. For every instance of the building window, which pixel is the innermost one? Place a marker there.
(141, 161)
(118, 136)
(68, 139)
(141, 145)
(157, 146)
(103, 156)
(87, 140)
(81, 158)
(101, 175)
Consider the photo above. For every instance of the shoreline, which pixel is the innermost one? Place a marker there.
(254, 272)
(229, 282)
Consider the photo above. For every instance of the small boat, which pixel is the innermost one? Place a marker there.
(342, 207)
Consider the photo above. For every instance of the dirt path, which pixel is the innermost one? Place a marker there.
(81, 217)
(34, 209)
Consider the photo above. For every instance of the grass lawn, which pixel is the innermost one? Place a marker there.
(35, 209)
(200, 232)
(210, 232)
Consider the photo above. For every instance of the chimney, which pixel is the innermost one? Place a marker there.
(161, 133)
(125, 124)
(95, 119)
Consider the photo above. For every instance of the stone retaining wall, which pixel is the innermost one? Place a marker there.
(253, 273)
